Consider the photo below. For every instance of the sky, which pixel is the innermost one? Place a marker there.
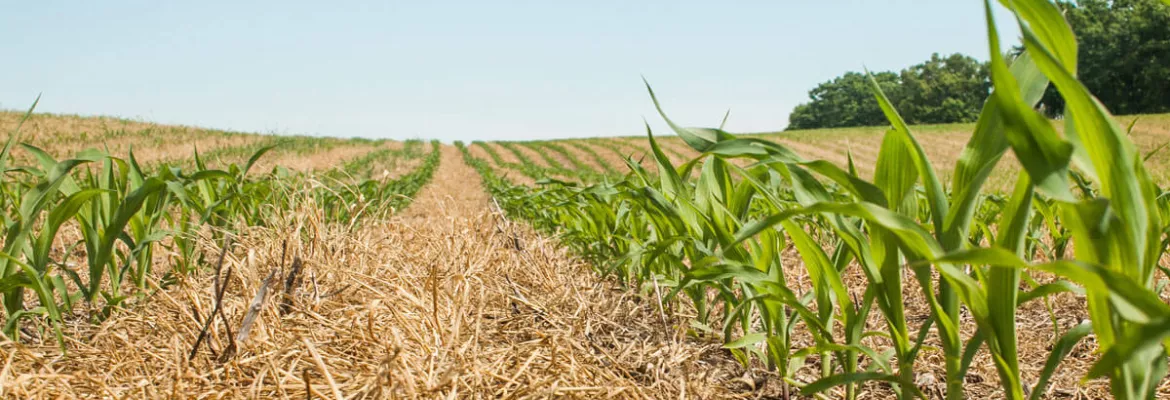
(462, 70)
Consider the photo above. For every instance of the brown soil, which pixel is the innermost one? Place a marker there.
(512, 175)
(639, 151)
(43, 129)
(64, 136)
(588, 160)
(506, 155)
(186, 150)
(480, 153)
(531, 154)
(400, 167)
(326, 159)
(393, 167)
(562, 161)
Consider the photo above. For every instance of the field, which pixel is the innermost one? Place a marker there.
(448, 296)
(943, 144)
(1017, 257)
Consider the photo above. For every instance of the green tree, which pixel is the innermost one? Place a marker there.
(1124, 56)
(844, 101)
(939, 90)
(944, 90)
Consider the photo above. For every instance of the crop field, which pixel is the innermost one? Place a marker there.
(1017, 257)
(943, 145)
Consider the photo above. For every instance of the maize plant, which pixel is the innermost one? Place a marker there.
(115, 213)
(711, 231)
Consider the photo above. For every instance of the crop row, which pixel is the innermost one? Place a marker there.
(577, 171)
(1084, 219)
(114, 214)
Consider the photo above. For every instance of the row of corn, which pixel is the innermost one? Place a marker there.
(80, 235)
(1084, 219)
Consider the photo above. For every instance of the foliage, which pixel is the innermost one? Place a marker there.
(123, 211)
(943, 90)
(349, 201)
(607, 168)
(578, 170)
(1124, 59)
(715, 238)
(1124, 56)
(939, 90)
(843, 101)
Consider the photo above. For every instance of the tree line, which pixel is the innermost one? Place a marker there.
(1124, 60)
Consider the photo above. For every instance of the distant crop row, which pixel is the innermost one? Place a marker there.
(1083, 218)
(575, 171)
(576, 157)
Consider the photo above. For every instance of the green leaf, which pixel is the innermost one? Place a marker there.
(15, 135)
(698, 138)
(1038, 147)
(14, 281)
(746, 340)
(1048, 289)
(1109, 152)
(821, 271)
(129, 206)
(59, 215)
(255, 156)
(1095, 279)
(44, 294)
(896, 175)
(1058, 353)
(984, 150)
(1050, 26)
(935, 195)
(672, 183)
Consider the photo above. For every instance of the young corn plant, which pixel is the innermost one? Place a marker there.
(716, 237)
(25, 202)
(122, 211)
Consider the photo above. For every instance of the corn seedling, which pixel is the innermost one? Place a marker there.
(712, 232)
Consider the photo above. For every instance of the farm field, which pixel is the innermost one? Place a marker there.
(943, 145)
(1018, 257)
(449, 295)
(436, 298)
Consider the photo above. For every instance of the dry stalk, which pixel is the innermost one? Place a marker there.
(219, 289)
(291, 283)
(254, 308)
(324, 369)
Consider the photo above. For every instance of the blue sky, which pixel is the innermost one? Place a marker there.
(462, 70)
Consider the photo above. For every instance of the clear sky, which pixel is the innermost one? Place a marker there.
(461, 70)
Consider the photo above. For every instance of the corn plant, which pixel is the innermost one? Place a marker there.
(710, 232)
(577, 169)
(122, 211)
